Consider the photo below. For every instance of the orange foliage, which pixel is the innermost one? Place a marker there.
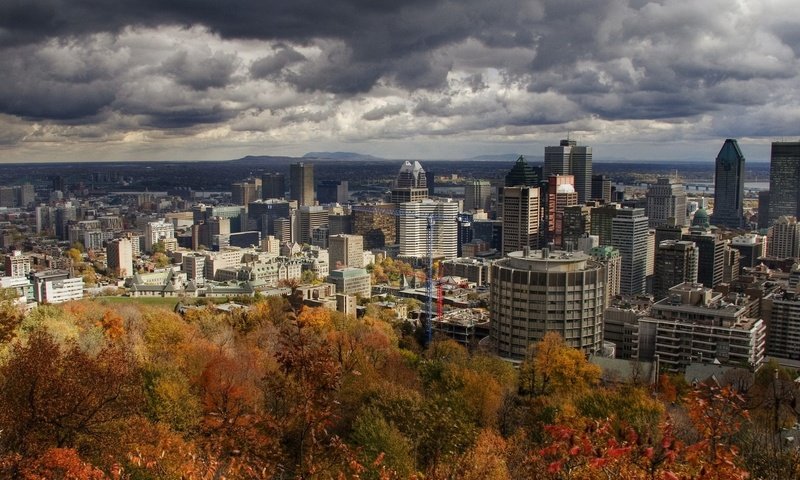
(58, 463)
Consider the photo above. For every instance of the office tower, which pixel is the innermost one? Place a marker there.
(763, 210)
(477, 195)
(560, 194)
(522, 174)
(601, 188)
(696, 324)
(577, 223)
(711, 256)
(731, 265)
(729, 186)
(244, 192)
(676, 263)
(333, 191)
(340, 223)
(611, 260)
(63, 216)
(119, 257)
(520, 218)
(602, 222)
(751, 247)
(283, 229)
(783, 240)
(262, 214)
(413, 232)
(346, 251)
(784, 180)
(534, 292)
(155, 232)
(465, 232)
(666, 203)
(212, 229)
(376, 223)
(301, 177)
(273, 185)
(411, 184)
(669, 232)
(309, 218)
(489, 231)
(629, 234)
(17, 264)
(570, 159)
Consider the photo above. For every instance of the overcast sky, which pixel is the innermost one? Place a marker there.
(214, 79)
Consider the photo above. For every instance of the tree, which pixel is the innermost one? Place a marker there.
(555, 368)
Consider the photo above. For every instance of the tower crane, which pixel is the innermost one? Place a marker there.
(430, 221)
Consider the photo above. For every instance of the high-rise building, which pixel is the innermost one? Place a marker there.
(602, 222)
(570, 159)
(477, 195)
(781, 312)
(783, 240)
(577, 223)
(534, 292)
(245, 192)
(731, 265)
(411, 184)
(711, 260)
(784, 180)
(157, 231)
(17, 264)
(560, 195)
(601, 188)
(309, 218)
(629, 234)
(119, 257)
(611, 260)
(676, 263)
(302, 183)
(521, 206)
(346, 251)
(751, 248)
(666, 203)
(376, 223)
(273, 185)
(333, 191)
(729, 186)
(261, 214)
(522, 174)
(413, 232)
(763, 210)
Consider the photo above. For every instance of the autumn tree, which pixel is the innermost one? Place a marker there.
(555, 368)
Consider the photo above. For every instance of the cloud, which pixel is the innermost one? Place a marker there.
(281, 72)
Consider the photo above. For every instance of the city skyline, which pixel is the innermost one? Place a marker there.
(432, 80)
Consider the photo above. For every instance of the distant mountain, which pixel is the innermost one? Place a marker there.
(341, 156)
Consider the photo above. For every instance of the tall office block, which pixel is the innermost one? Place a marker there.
(333, 191)
(302, 183)
(310, 218)
(666, 203)
(731, 266)
(570, 159)
(711, 263)
(411, 184)
(346, 251)
(560, 195)
(751, 247)
(536, 292)
(784, 180)
(522, 174)
(676, 262)
(477, 195)
(119, 257)
(729, 186)
(763, 210)
(376, 223)
(783, 240)
(577, 222)
(781, 312)
(629, 234)
(245, 192)
(601, 188)
(413, 218)
(602, 222)
(520, 218)
(273, 185)
(611, 260)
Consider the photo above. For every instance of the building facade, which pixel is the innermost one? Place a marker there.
(729, 186)
(301, 177)
(666, 203)
(521, 207)
(570, 159)
(629, 235)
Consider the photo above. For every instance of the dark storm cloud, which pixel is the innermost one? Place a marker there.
(383, 112)
(272, 65)
(200, 72)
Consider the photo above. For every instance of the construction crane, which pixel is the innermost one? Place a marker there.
(430, 220)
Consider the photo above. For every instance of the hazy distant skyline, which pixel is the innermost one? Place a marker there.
(204, 79)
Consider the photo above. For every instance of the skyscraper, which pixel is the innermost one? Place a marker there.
(520, 218)
(414, 228)
(783, 240)
(302, 183)
(676, 263)
(711, 260)
(560, 194)
(411, 184)
(570, 159)
(346, 251)
(477, 194)
(629, 234)
(601, 188)
(666, 203)
(784, 180)
(729, 186)
(523, 174)
(273, 185)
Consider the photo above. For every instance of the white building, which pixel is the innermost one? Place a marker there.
(55, 286)
(157, 231)
(414, 231)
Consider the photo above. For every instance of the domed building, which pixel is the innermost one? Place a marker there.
(701, 219)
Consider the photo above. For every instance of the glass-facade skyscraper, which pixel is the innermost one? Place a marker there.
(729, 186)
(784, 180)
